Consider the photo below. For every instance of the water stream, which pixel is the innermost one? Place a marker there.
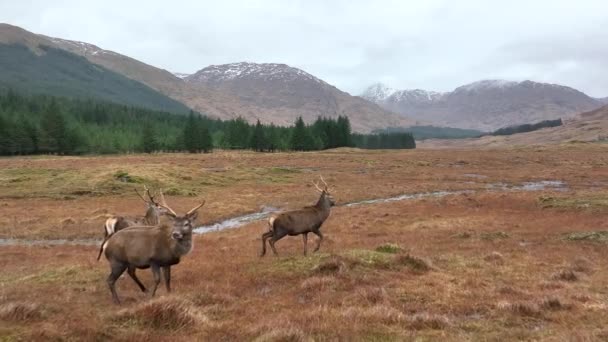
(239, 221)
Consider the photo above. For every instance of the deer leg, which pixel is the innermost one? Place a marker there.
(156, 273)
(305, 238)
(116, 270)
(131, 272)
(167, 276)
(265, 236)
(278, 235)
(318, 233)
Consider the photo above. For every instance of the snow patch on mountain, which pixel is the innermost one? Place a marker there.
(242, 70)
(181, 75)
(81, 47)
(378, 92)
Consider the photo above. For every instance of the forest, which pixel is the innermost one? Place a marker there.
(43, 124)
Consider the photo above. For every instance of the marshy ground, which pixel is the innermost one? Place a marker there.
(499, 263)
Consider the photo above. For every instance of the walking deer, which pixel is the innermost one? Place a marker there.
(300, 222)
(156, 247)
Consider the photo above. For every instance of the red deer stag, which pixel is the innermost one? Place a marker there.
(151, 218)
(301, 221)
(156, 247)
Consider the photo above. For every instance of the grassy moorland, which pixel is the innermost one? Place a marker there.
(485, 265)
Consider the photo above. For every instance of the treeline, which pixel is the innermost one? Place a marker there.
(397, 140)
(527, 127)
(434, 132)
(45, 124)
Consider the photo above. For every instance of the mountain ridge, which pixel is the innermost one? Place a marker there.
(488, 104)
(249, 100)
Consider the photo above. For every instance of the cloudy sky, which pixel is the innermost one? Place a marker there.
(431, 44)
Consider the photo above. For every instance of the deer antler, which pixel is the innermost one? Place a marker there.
(140, 196)
(317, 186)
(324, 182)
(163, 204)
(195, 208)
(150, 196)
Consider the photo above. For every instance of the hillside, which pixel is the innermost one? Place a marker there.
(590, 126)
(31, 64)
(279, 93)
(486, 105)
(252, 98)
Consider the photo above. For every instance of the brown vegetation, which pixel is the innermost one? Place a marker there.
(482, 286)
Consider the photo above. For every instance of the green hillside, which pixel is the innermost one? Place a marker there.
(58, 72)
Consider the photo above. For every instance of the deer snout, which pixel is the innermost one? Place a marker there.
(177, 235)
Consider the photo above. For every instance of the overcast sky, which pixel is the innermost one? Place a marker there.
(431, 44)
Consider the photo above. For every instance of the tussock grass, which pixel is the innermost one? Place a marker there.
(318, 283)
(590, 203)
(373, 295)
(525, 309)
(21, 311)
(565, 275)
(389, 248)
(597, 236)
(495, 258)
(289, 334)
(164, 313)
(491, 236)
(554, 304)
(378, 314)
(413, 263)
(333, 265)
(421, 321)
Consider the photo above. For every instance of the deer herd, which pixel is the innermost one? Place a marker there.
(161, 237)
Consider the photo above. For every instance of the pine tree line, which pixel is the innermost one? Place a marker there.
(46, 124)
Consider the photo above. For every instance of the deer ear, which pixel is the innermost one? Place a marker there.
(192, 216)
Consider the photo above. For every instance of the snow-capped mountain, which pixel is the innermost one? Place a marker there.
(244, 70)
(280, 93)
(378, 92)
(489, 104)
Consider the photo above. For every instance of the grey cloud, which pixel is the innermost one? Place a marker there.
(434, 44)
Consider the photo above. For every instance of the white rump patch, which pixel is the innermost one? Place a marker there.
(271, 222)
(110, 225)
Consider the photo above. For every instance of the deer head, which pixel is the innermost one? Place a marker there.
(326, 197)
(151, 203)
(182, 224)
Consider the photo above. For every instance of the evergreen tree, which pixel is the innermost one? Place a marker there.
(191, 134)
(258, 141)
(54, 129)
(301, 139)
(205, 142)
(149, 143)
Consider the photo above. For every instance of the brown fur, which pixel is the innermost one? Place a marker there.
(299, 222)
(155, 247)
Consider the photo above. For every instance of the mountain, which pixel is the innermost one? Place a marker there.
(489, 104)
(378, 92)
(603, 100)
(591, 126)
(280, 93)
(33, 64)
(278, 100)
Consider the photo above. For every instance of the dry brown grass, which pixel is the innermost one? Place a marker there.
(167, 313)
(21, 311)
(507, 278)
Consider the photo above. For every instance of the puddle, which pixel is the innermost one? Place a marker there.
(236, 222)
(239, 221)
